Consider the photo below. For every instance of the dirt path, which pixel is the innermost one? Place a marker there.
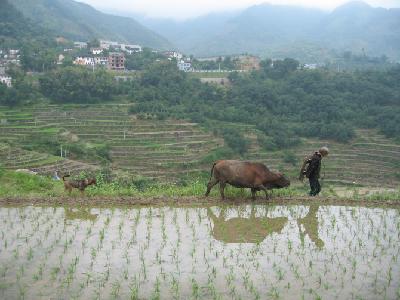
(189, 201)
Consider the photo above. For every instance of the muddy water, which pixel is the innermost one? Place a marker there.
(245, 252)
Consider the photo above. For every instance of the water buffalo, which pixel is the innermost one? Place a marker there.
(244, 174)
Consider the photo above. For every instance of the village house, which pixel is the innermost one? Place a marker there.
(101, 61)
(116, 61)
(11, 56)
(60, 59)
(80, 45)
(7, 80)
(96, 51)
(248, 62)
(310, 66)
(91, 61)
(61, 40)
(173, 54)
(108, 44)
(130, 49)
(185, 66)
(84, 61)
(13, 53)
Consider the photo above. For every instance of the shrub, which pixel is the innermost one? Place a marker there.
(290, 158)
(236, 141)
(217, 154)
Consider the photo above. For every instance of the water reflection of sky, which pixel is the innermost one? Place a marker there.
(234, 251)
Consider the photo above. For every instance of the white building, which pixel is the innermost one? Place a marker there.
(96, 51)
(131, 48)
(310, 66)
(101, 61)
(60, 59)
(107, 44)
(80, 45)
(6, 80)
(91, 61)
(184, 66)
(173, 54)
(84, 61)
(14, 53)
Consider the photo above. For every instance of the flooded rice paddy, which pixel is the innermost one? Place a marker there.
(232, 252)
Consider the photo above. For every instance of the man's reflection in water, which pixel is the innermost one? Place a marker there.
(309, 225)
(244, 230)
(81, 213)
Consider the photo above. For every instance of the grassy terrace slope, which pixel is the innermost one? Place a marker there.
(148, 148)
(170, 149)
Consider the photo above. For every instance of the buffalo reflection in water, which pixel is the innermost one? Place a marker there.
(244, 230)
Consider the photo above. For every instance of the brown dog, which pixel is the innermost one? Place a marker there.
(77, 184)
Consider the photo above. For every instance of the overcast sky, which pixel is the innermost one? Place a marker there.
(183, 9)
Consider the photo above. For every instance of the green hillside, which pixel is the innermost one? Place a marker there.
(78, 21)
(170, 150)
(15, 29)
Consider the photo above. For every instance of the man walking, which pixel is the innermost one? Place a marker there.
(311, 169)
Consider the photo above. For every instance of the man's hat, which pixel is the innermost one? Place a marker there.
(324, 151)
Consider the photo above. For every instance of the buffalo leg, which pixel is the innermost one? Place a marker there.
(253, 193)
(210, 185)
(222, 189)
(261, 187)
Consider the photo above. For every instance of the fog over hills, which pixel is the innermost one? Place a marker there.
(279, 31)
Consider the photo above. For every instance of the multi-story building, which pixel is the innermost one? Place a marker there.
(116, 61)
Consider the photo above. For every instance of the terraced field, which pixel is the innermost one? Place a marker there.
(150, 148)
(169, 149)
(369, 160)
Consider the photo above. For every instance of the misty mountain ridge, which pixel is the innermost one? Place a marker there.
(280, 30)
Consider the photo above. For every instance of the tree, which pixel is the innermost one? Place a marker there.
(94, 43)
(77, 84)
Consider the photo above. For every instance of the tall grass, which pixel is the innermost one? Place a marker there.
(14, 184)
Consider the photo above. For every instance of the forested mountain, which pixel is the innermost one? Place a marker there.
(79, 21)
(288, 31)
(15, 29)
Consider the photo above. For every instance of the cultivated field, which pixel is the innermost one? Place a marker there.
(202, 252)
(171, 149)
(164, 240)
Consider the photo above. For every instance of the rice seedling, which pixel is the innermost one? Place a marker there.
(156, 291)
(195, 289)
(361, 245)
(116, 286)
